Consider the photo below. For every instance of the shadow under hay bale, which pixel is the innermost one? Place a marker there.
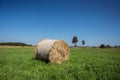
(46, 61)
(54, 51)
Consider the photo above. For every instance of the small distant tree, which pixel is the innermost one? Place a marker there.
(108, 46)
(102, 46)
(116, 46)
(83, 42)
(75, 40)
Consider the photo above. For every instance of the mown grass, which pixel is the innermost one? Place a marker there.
(84, 64)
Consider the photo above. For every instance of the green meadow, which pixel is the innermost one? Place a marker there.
(84, 64)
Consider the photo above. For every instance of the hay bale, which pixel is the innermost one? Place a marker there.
(54, 51)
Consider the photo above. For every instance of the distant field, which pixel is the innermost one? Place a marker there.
(84, 64)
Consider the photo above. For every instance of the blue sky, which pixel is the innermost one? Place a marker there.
(95, 21)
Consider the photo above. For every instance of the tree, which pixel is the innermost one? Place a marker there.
(102, 46)
(75, 40)
(83, 42)
(108, 46)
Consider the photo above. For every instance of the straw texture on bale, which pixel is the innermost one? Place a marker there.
(54, 51)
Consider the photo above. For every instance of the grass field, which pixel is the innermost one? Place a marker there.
(84, 64)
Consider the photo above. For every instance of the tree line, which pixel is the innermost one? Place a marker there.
(75, 40)
(14, 44)
(108, 46)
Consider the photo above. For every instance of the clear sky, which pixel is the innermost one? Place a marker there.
(95, 21)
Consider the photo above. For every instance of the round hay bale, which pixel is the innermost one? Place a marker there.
(54, 51)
